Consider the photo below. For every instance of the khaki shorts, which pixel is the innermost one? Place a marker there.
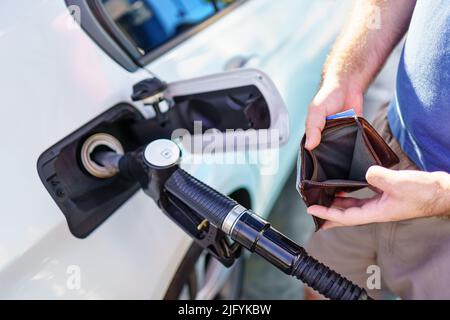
(413, 256)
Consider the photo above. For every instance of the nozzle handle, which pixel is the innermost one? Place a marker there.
(206, 201)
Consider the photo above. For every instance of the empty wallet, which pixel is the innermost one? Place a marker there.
(349, 146)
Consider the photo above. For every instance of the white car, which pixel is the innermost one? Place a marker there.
(56, 77)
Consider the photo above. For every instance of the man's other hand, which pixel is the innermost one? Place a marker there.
(405, 194)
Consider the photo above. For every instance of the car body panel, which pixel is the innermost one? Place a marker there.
(55, 79)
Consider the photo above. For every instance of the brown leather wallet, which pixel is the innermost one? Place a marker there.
(349, 146)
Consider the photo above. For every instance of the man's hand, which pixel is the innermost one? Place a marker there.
(359, 53)
(406, 194)
(333, 97)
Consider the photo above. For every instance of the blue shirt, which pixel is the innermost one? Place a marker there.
(419, 114)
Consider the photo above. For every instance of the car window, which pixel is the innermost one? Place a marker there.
(150, 24)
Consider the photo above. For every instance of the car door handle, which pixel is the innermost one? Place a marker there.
(241, 61)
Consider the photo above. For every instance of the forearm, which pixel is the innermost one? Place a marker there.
(373, 30)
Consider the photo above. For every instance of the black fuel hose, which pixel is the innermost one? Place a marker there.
(247, 229)
(257, 235)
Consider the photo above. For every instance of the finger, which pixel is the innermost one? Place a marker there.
(335, 215)
(332, 213)
(348, 202)
(370, 211)
(381, 178)
(315, 122)
(330, 225)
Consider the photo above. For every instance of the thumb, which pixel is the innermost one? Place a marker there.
(381, 178)
(315, 122)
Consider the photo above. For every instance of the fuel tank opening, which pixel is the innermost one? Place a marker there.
(97, 146)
